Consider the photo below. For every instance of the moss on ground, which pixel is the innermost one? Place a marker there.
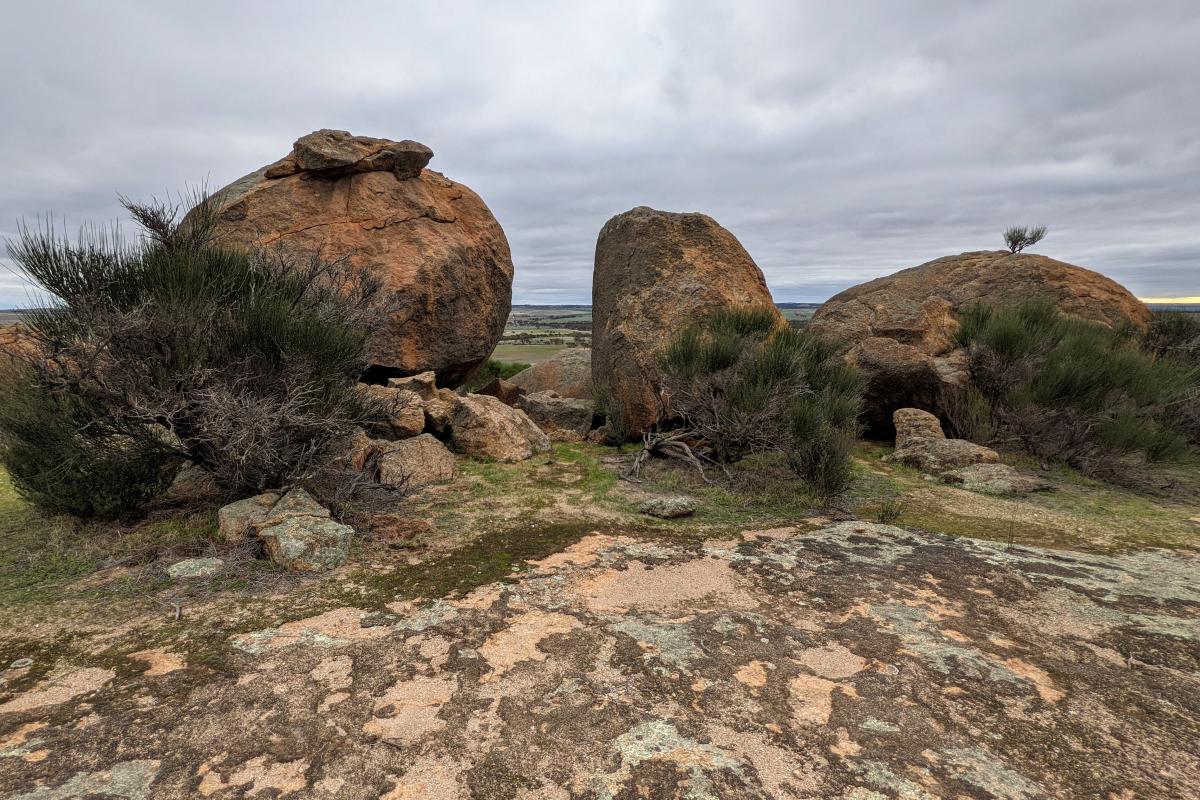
(1079, 514)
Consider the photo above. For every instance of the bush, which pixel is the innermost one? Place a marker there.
(1076, 390)
(244, 363)
(743, 384)
(66, 457)
(1017, 238)
(1174, 334)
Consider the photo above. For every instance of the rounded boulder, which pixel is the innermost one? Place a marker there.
(432, 242)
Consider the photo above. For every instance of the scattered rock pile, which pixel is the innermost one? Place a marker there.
(921, 443)
(900, 329)
(296, 531)
(656, 273)
(432, 242)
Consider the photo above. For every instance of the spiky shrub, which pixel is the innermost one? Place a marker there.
(244, 363)
(66, 456)
(744, 384)
(825, 421)
(1018, 237)
(1072, 389)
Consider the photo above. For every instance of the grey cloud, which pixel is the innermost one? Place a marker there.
(837, 141)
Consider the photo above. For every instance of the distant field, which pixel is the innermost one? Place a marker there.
(9, 317)
(526, 353)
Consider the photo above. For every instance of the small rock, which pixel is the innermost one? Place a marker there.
(668, 507)
(1194, 520)
(193, 484)
(236, 520)
(403, 408)
(921, 443)
(568, 372)
(502, 390)
(485, 427)
(307, 543)
(423, 384)
(417, 461)
(439, 408)
(295, 503)
(195, 568)
(995, 479)
(21, 663)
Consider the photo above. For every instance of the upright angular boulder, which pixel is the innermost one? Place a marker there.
(432, 242)
(900, 329)
(656, 273)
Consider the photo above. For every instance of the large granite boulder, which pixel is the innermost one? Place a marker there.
(432, 242)
(900, 329)
(655, 274)
(568, 372)
(485, 427)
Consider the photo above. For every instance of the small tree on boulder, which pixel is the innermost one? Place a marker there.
(1018, 237)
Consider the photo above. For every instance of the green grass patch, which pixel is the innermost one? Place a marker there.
(527, 353)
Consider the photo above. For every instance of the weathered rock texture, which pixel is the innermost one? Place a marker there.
(656, 273)
(564, 419)
(920, 443)
(850, 662)
(415, 462)
(432, 242)
(568, 372)
(295, 530)
(900, 329)
(485, 427)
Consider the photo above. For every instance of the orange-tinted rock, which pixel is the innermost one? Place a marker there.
(900, 329)
(656, 273)
(432, 242)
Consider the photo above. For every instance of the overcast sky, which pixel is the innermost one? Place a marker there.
(837, 141)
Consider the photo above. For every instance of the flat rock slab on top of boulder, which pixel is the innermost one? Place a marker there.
(432, 242)
(900, 329)
(485, 427)
(568, 372)
(656, 273)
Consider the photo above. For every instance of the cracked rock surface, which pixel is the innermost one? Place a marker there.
(855, 661)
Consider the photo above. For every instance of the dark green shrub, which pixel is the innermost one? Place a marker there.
(1175, 334)
(1076, 390)
(244, 363)
(743, 384)
(66, 457)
